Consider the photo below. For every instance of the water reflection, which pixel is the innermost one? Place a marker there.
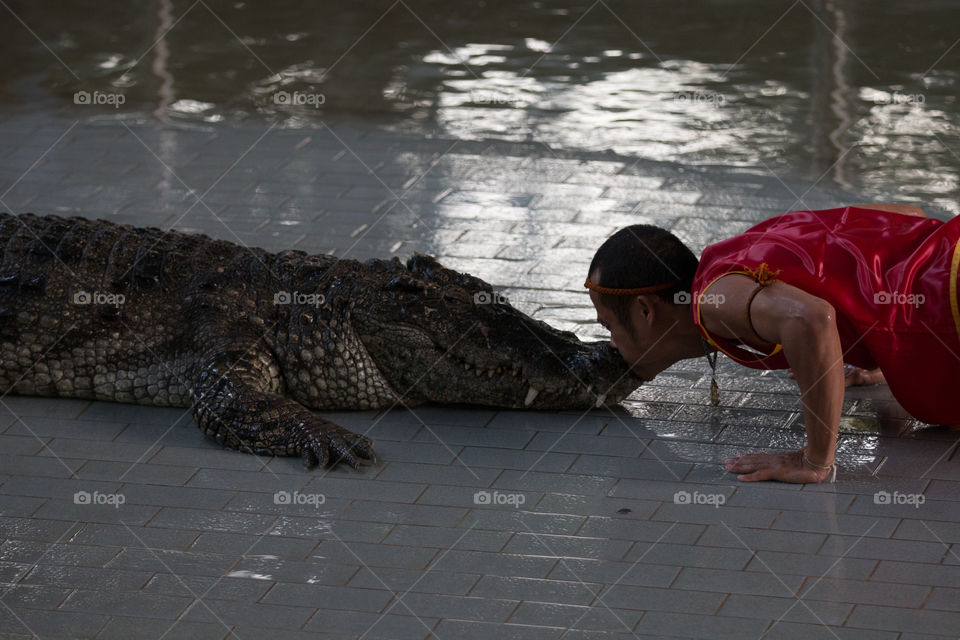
(860, 93)
(833, 108)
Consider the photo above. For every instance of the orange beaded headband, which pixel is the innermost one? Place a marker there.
(629, 292)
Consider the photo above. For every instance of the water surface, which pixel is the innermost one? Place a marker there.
(855, 93)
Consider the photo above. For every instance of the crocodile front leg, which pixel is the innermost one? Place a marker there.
(238, 404)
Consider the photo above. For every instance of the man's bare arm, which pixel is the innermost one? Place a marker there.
(805, 326)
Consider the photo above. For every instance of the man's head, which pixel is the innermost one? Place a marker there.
(637, 257)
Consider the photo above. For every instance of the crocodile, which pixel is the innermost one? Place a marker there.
(254, 342)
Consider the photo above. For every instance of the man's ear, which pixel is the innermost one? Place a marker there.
(645, 309)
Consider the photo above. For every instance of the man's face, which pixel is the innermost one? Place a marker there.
(630, 344)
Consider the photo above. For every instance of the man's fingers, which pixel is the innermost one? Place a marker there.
(776, 473)
(736, 465)
(753, 467)
(785, 467)
(744, 467)
(756, 476)
(750, 462)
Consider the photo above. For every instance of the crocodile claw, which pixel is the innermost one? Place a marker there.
(323, 443)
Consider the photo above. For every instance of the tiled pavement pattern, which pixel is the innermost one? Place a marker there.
(586, 534)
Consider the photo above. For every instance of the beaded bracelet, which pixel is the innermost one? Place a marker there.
(820, 467)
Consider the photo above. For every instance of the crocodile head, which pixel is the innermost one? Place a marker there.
(442, 336)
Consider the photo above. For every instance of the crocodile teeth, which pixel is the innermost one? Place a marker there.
(600, 400)
(531, 396)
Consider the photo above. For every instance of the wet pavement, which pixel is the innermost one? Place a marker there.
(121, 521)
(489, 136)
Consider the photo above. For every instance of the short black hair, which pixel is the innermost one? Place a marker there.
(642, 255)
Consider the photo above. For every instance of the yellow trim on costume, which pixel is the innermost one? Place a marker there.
(746, 272)
(954, 265)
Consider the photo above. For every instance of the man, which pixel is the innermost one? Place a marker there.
(873, 285)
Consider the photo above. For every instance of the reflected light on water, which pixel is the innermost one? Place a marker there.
(840, 89)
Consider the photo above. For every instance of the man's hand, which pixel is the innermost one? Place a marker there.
(785, 467)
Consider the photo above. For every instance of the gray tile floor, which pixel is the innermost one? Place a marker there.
(124, 522)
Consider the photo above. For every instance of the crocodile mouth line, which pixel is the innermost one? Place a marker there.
(484, 373)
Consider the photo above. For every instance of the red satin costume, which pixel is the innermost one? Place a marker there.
(892, 280)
